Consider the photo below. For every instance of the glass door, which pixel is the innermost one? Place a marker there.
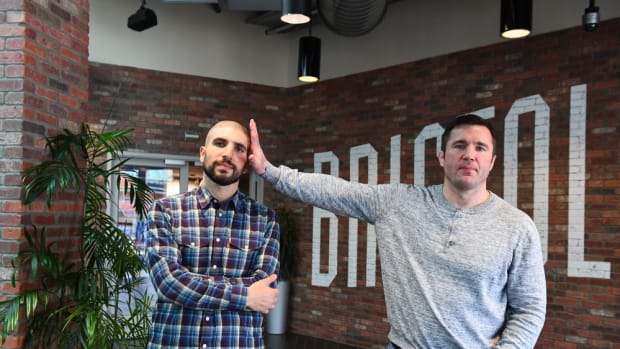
(166, 176)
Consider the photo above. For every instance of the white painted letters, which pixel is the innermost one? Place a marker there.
(541, 160)
(357, 153)
(577, 266)
(318, 278)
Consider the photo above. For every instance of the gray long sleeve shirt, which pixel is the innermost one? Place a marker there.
(452, 278)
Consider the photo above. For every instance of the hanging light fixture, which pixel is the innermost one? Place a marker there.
(591, 17)
(309, 65)
(516, 18)
(296, 11)
(143, 19)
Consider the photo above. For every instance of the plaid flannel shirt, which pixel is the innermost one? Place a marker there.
(201, 259)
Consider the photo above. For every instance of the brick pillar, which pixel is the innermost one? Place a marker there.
(43, 89)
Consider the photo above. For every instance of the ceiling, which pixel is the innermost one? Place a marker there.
(266, 14)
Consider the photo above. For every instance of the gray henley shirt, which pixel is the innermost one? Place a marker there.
(452, 278)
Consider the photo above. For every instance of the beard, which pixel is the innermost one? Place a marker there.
(222, 180)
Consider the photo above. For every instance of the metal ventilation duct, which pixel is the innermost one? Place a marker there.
(351, 17)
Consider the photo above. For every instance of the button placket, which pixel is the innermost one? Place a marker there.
(451, 238)
(218, 238)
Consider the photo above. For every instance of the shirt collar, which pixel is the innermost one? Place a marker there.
(437, 192)
(206, 199)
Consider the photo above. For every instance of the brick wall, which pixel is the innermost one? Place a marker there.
(161, 107)
(542, 73)
(43, 88)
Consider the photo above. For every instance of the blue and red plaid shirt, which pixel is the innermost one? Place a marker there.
(202, 256)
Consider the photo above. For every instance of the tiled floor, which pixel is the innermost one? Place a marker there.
(295, 341)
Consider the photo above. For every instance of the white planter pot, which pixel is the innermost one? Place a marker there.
(276, 319)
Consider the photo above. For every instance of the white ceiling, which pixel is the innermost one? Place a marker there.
(194, 38)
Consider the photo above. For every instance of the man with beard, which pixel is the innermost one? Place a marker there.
(212, 254)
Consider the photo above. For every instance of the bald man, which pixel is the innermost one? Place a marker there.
(212, 254)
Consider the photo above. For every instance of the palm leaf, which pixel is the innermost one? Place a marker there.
(49, 178)
(77, 305)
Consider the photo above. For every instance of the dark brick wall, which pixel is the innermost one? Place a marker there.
(161, 107)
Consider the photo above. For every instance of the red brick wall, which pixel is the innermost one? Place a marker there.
(43, 88)
(371, 107)
(161, 107)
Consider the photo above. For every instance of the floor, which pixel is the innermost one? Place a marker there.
(295, 341)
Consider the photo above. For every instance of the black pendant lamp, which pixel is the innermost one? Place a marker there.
(309, 65)
(516, 18)
(296, 11)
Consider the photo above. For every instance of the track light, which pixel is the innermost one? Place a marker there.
(591, 17)
(143, 19)
(309, 65)
(296, 11)
(516, 18)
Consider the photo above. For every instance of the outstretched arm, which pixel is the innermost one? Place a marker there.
(257, 158)
(321, 190)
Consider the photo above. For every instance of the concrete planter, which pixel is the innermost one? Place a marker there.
(276, 319)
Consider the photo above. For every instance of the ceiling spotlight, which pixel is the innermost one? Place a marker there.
(143, 19)
(590, 17)
(516, 18)
(296, 11)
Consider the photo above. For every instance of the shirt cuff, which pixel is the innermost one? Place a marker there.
(272, 174)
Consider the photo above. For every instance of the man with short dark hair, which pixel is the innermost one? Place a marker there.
(461, 267)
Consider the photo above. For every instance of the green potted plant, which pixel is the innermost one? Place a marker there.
(289, 268)
(89, 303)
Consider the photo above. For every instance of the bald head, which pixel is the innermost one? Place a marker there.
(226, 126)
